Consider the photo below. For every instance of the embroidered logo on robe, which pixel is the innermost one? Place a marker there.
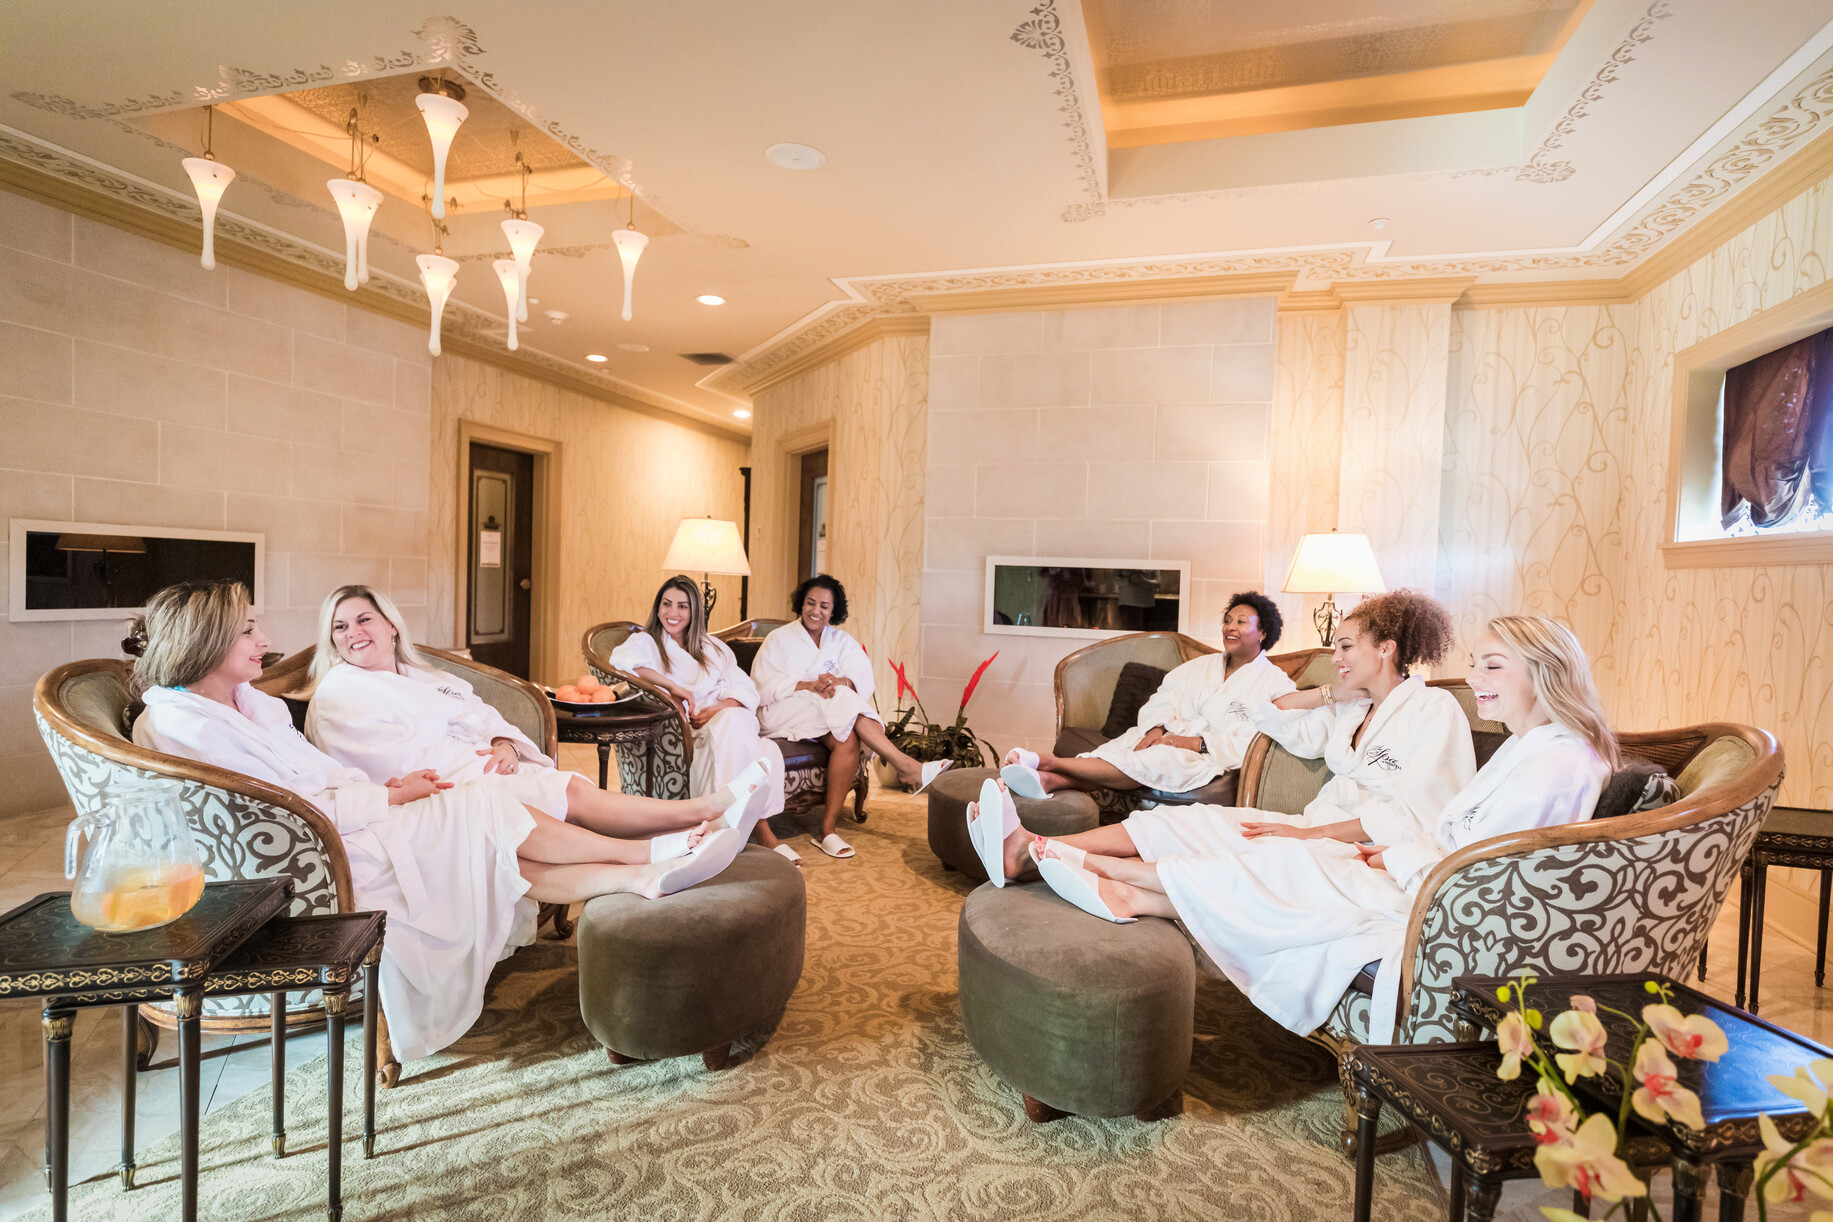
(1384, 759)
(1237, 709)
(1468, 819)
(450, 691)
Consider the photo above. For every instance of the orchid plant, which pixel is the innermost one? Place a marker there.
(924, 740)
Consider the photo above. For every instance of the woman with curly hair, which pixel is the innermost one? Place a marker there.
(816, 684)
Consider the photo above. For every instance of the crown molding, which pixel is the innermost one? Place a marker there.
(1096, 293)
(1318, 301)
(850, 341)
(77, 197)
(1427, 290)
(1606, 291)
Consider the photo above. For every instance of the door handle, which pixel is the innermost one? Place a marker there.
(525, 583)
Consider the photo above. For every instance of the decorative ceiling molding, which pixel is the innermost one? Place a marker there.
(68, 180)
(1061, 296)
(846, 342)
(1044, 33)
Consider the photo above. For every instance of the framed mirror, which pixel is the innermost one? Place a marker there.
(1085, 599)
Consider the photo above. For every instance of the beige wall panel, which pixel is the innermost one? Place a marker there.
(1305, 447)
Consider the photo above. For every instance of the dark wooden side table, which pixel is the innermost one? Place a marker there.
(1450, 1092)
(623, 722)
(1791, 836)
(1733, 1091)
(46, 952)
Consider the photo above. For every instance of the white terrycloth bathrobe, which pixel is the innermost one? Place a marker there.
(789, 656)
(1201, 699)
(443, 868)
(1291, 922)
(1415, 754)
(727, 744)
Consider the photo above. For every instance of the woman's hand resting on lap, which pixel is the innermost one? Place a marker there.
(414, 786)
(503, 757)
(1372, 855)
(1253, 831)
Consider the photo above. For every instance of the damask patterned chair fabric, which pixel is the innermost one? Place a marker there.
(243, 827)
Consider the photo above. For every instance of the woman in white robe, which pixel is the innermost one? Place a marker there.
(1291, 922)
(380, 707)
(716, 696)
(816, 684)
(447, 863)
(1195, 728)
(1397, 751)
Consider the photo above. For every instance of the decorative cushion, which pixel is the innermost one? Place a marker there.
(1638, 785)
(1077, 740)
(1132, 689)
(1061, 814)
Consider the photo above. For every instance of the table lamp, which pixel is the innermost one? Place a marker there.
(1334, 563)
(708, 546)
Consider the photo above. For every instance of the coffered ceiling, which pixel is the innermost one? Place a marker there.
(973, 147)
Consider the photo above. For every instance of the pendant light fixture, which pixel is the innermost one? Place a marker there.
(357, 202)
(441, 103)
(511, 277)
(523, 234)
(438, 274)
(209, 177)
(630, 246)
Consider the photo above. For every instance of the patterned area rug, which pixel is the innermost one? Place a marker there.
(865, 1103)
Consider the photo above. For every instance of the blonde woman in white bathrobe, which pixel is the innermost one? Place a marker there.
(1291, 922)
(448, 864)
(1195, 728)
(816, 685)
(676, 652)
(1397, 751)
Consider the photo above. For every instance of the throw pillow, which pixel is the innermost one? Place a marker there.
(1135, 686)
(1637, 786)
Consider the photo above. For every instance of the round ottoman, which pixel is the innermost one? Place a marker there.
(693, 971)
(1061, 814)
(1081, 1016)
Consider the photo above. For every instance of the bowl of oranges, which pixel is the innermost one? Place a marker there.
(586, 695)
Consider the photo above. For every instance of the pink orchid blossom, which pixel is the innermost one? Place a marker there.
(1582, 1002)
(1660, 1097)
(1584, 1037)
(1513, 1038)
(1800, 1086)
(1589, 1163)
(1809, 1171)
(1694, 1036)
(1551, 1115)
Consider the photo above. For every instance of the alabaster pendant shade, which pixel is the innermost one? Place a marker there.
(356, 203)
(209, 178)
(443, 115)
(511, 278)
(522, 235)
(630, 246)
(439, 274)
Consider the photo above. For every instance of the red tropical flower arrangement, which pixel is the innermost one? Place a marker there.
(925, 740)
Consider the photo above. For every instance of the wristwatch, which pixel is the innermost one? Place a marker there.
(1202, 745)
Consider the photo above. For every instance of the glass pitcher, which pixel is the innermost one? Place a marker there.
(141, 869)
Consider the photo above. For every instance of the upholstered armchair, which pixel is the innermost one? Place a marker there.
(673, 749)
(1085, 683)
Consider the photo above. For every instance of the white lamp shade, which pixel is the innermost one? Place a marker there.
(522, 235)
(443, 115)
(707, 545)
(209, 178)
(439, 274)
(630, 246)
(356, 203)
(1338, 562)
(511, 278)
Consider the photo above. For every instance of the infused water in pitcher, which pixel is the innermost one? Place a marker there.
(141, 868)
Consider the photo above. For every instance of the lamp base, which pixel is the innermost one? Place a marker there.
(1325, 619)
(709, 596)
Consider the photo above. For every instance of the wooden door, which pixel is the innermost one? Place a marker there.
(811, 521)
(500, 565)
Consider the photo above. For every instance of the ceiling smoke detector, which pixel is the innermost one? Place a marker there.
(795, 156)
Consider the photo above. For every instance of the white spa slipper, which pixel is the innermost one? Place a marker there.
(709, 857)
(1023, 780)
(669, 847)
(1018, 755)
(742, 789)
(1064, 852)
(932, 770)
(790, 853)
(834, 846)
(1079, 887)
(988, 833)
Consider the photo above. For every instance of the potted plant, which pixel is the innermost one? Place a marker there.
(924, 740)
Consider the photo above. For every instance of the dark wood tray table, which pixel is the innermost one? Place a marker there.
(629, 721)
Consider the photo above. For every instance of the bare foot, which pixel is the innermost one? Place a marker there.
(700, 833)
(1016, 851)
(1118, 896)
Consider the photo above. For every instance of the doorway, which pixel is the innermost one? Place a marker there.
(811, 520)
(499, 565)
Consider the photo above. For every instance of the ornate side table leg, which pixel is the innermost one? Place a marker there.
(1483, 1197)
(130, 1073)
(1760, 867)
(1457, 1194)
(1744, 902)
(1820, 942)
(277, 1062)
(1689, 1189)
(371, 970)
(604, 762)
(58, 1025)
(1734, 1183)
(1368, 1114)
(190, 1005)
(334, 1121)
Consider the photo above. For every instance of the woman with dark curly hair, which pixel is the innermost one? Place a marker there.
(816, 684)
(1193, 729)
(1397, 750)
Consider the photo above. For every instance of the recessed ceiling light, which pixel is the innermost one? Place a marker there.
(593, 356)
(710, 299)
(795, 156)
(1379, 222)
(741, 413)
(634, 347)
(556, 316)
(534, 301)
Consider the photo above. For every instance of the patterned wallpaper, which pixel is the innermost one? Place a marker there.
(627, 479)
(874, 402)
(1305, 445)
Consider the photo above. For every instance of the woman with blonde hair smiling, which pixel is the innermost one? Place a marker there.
(447, 863)
(1291, 921)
